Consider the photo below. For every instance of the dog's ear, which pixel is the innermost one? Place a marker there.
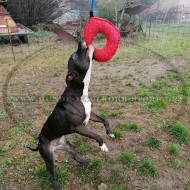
(70, 76)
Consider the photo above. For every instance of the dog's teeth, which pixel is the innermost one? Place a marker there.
(112, 135)
(104, 148)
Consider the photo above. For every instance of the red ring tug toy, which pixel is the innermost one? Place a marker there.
(97, 25)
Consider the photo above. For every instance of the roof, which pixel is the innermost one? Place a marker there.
(133, 8)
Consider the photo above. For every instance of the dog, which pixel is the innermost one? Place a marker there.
(72, 112)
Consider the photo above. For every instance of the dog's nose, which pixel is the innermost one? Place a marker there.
(81, 45)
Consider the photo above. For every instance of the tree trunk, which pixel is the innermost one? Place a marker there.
(121, 19)
(116, 17)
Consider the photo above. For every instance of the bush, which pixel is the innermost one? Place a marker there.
(31, 12)
(108, 13)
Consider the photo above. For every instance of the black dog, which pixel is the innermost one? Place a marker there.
(72, 112)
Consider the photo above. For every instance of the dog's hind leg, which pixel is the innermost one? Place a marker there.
(85, 132)
(96, 118)
(47, 154)
(70, 148)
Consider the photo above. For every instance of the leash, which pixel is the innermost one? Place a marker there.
(91, 9)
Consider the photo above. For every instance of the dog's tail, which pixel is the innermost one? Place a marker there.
(33, 149)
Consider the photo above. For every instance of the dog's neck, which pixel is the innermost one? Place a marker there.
(88, 76)
(81, 89)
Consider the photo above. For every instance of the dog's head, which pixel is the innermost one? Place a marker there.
(79, 63)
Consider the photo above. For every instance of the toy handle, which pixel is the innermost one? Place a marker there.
(91, 9)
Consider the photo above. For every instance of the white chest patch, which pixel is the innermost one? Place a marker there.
(85, 99)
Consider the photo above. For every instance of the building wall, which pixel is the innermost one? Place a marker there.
(184, 3)
(167, 4)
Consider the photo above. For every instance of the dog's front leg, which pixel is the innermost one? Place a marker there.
(96, 118)
(85, 132)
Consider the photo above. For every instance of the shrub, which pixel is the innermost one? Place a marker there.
(31, 12)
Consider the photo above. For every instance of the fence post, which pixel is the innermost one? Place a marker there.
(149, 30)
(10, 40)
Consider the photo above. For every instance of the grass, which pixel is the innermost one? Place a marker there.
(42, 34)
(163, 124)
(103, 113)
(155, 106)
(48, 112)
(55, 74)
(147, 168)
(127, 158)
(117, 180)
(96, 163)
(118, 134)
(160, 85)
(187, 186)
(130, 126)
(48, 96)
(144, 85)
(172, 162)
(83, 148)
(128, 84)
(119, 187)
(180, 132)
(174, 149)
(143, 94)
(26, 126)
(176, 77)
(11, 103)
(115, 79)
(2, 115)
(116, 113)
(101, 170)
(2, 168)
(153, 143)
(42, 176)
(115, 59)
(89, 175)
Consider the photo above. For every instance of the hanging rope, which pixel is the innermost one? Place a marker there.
(91, 9)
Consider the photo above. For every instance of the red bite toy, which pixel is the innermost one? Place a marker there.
(98, 25)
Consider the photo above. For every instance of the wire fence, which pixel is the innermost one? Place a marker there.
(173, 26)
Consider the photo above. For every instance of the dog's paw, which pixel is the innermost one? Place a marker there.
(111, 135)
(104, 148)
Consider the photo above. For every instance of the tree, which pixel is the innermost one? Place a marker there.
(31, 12)
(148, 2)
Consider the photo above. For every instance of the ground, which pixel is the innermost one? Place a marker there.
(143, 92)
